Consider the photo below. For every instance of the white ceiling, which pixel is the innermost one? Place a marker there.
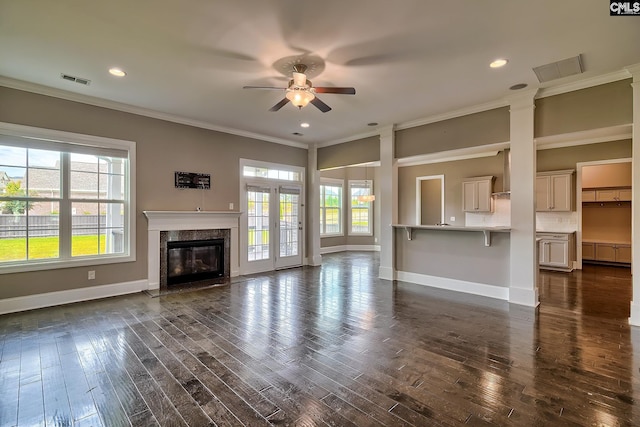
(407, 59)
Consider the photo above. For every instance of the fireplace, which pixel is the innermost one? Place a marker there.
(194, 260)
(166, 227)
(194, 256)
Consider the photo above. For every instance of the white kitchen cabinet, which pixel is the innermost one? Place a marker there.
(556, 251)
(588, 251)
(624, 195)
(607, 252)
(613, 195)
(588, 196)
(623, 253)
(606, 195)
(554, 191)
(476, 194)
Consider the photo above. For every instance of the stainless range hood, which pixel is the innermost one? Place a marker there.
(506, 177)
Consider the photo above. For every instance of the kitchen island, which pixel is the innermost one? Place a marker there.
(464, 259)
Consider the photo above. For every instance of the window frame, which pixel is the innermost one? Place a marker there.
(92, 145)
(360, 183)
(332, 182)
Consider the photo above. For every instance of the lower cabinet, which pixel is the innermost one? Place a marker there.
(606, 252)
(556, 251)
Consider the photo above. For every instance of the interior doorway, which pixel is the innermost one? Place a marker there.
(430, 200)
(604, 211)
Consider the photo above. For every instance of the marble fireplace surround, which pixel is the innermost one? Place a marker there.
(159, 221)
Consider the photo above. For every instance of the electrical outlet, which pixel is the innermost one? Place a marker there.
(231, 206)
(452, 219)
(91, 275)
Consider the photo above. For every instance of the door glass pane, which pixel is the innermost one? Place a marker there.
(289, 218)
(258, 225)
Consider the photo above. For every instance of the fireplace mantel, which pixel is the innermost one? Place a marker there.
(188, 220)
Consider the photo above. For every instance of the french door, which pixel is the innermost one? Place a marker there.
(272, 227)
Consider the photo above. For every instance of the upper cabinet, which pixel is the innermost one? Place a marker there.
(554, 191)
(476, 194)
(606, 195)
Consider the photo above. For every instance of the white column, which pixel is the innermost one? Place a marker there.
(313, 208)
(635, 204)
(388, 202)
(523, 288)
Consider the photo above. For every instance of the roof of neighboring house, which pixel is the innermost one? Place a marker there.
(83, 178)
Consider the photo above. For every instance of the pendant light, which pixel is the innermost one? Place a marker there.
(368, 197)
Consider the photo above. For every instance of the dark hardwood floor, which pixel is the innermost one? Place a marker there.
(328, 346)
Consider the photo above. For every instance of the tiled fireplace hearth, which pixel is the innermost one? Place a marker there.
(179, 226)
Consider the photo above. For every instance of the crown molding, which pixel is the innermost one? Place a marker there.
(127, 108)
(585, 83)
(625, 73)
(453, 114)
(363, 135)
(453, 155)
(585, 137)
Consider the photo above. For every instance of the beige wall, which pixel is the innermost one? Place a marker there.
(567, 157)
(349, 153)
(162, 148)
(454, 173)
(607, 175)
(487, 127)
(592, 108)
(458, 255)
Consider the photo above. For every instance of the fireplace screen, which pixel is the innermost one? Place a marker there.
(194, 260)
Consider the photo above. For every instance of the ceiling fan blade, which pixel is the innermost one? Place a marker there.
(263, 87)
(338, 90)
(279, 105)
(320, 105)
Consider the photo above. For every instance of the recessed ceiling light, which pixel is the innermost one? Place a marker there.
(304, 125)
(117, 72)
(498, 63)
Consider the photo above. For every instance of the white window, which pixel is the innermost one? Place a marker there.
(65, 199)
(330, 207)
(360, 207)
(271, 173)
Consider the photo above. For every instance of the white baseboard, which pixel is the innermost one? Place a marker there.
(387, 273)
(313, 261)
(49, 299)
(345, 248)
(482, 289)
(634, 320)
(522, 296)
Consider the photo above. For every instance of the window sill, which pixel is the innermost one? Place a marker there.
(40, 265)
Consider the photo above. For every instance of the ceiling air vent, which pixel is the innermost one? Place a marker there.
(75, 79)
(556, 70)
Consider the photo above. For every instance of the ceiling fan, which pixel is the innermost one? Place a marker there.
(301, 92)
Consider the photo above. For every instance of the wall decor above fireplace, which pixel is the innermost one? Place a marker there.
(193, 180)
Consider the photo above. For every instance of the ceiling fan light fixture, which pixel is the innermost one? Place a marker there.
(299, 97)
